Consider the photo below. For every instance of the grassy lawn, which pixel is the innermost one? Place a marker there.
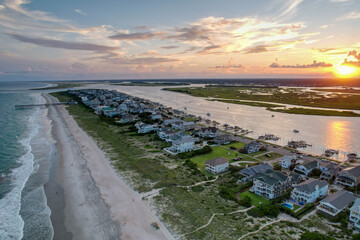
(217, 152)
(190, 119)
(255, 199)
(272, 155)
(235, 145)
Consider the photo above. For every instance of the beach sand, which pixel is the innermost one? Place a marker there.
(98, 204)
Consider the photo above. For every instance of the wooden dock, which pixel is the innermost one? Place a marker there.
(40, 105)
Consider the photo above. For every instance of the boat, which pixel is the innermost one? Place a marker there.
(330, 152)
(296, 131)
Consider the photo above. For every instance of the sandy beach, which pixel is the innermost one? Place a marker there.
(97, 202)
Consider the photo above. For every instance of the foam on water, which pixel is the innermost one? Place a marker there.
(11, 223)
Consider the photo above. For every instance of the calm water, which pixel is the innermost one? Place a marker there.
(342, 133)
(25, 147)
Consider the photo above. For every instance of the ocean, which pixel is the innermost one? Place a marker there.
(26, 149)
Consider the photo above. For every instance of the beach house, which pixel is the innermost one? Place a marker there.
(217, 165)
(309, 191)
(184, 144)
(354, 217)
(287, 161)
(252, 147)
(348, 177)
(307, 167)
(335, 203)
(270, 184)
(249, 172)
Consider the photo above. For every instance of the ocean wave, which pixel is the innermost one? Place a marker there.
(11, 223)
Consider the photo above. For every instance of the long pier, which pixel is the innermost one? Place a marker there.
(40, 105)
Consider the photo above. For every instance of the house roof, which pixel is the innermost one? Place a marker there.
(309, 185)
(295, 176)
(356, 203)
(271, 177)
(340, 199)
(183, 140)
(217, 161)
(310, 165)
(211, 129)
(252, 171)
(355, 171)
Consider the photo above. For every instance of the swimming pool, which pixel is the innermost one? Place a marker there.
(288, 205)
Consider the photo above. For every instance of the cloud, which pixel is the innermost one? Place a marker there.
(352, 59)
(191, 33)
(289, 9)
(138, 60)
(228, 66)
(349, 16)
(45, 42)
(315, 64)
(170, 47)
(80, 12)
(324, 26)
(257, 49)
(136, 36)
(340, 1)
(149, 53)
(209, 49)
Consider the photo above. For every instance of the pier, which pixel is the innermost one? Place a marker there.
(42, 105)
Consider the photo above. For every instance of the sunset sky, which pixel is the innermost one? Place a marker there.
(92, 39)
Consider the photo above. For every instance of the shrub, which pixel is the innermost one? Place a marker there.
(268, 210)
(315, 236)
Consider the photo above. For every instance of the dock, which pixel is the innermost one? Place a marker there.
(41, 105)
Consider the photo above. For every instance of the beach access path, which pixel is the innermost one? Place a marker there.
(98, 202)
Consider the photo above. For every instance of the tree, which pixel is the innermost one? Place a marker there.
(245, 201)
(292, 166)
(315, 172)
(277, 167)
(356, 236)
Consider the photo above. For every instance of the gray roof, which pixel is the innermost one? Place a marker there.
(340, 199)
(271, 177)
(356, 203)
(252, 171)
(309, 185)
(217, 161)
(184, 139)
(355, 171)
(310, 165)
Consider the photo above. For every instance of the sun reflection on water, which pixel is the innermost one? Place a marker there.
(338, 135)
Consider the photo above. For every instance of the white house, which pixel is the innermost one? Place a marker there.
(354, 217)
(287, 161)
(335, 203)
(309, 191)
(184, 144)
(306, 168)
(217, 165)
(270, 184)
(145, 128)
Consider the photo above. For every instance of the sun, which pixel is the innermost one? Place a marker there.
(345, 71)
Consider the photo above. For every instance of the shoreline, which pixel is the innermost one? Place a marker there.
(98, 204)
